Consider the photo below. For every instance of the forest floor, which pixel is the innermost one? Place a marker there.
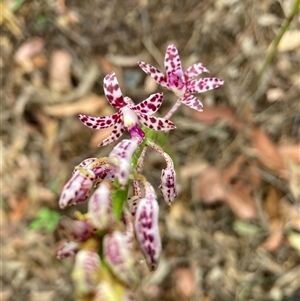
(233, 233)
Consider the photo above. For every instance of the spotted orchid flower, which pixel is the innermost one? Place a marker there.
(129, 114)
(182, 83)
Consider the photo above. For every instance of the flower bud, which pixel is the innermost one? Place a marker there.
(119, 258)
(105, 291)
(75, 230)
(147, 230)
(85, 272)
(78, 188)
(168, 185)
(133, 203)
(69, 248)
(128, 296)
(129, 231)
(100, 207)
(120, 157)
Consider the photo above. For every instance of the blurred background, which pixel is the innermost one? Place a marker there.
(234, 231)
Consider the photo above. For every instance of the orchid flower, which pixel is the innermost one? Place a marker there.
(128, 115)
(182, 83)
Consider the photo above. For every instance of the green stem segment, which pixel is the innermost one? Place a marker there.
(284, 27)
(119, 195)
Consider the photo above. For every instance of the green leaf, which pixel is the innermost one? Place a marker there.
(119, 197)
(16, 5)
(46, 219)
(41, 19)
(245, 228)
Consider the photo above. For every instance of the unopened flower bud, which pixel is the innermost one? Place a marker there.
(147, 231)
(128, 296)
(121, 157)
(168, 185)
(85, 272)
(69, 248)
(128, 221)
(119, 258)
(75, 230)
(100, 207)
(133, 203)
(105, 291)
(78, 188)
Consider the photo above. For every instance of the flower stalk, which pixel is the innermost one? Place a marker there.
(122, 203)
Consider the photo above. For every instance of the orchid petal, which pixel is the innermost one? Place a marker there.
(117, 131)
(158, 76)
(69, 248)
(172, 60)
(192, 102)
(193, 71)
(113, 92)
(156, 123)
(98, 123)
(204, 84)
(120, 158)
(150, 105)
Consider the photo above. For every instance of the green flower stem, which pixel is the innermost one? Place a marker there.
(284, 27)
(119, 195)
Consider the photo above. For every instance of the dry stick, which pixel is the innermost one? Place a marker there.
(284, 27)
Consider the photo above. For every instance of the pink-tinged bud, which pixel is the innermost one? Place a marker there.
(100, 207)
(85, 163)
(128, 296)
(120, 157)
(168, 185)
(119, 258)
(105, 291)
(75, 230)
(78, 188)
(128, 221)
(98, 166)
(133, 203)
(86, 271)
(136, 133)
(69, 248)
(149, 191)
(147, 230)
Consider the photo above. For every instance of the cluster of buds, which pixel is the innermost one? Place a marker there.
(101, 239)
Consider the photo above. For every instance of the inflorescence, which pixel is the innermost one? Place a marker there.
(122, 204)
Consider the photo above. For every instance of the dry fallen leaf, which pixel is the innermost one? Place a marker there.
(240, 200)
(210, 187)
(290, 41)
(26, 51)
(215, 113)
(99, 136)
(214, 186)
(60, 71)
(267, 152)
(290, 151)
(185, 282)
(89, 105)
(275, 219)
